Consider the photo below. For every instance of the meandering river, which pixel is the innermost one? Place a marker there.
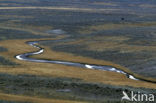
(26, 57)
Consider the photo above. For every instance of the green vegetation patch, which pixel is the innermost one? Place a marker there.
(3, 101)
(7, 62)
(64, 88)
(2, 49)
(16, 34)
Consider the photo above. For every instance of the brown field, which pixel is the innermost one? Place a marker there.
(21, 98)
(18, 46)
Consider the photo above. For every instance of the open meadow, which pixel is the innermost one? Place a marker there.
(116, 33)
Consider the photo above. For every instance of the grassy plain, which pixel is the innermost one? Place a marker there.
(27, 99)
(112, 26)
(64, 71)
(94, 33)
(92, 77)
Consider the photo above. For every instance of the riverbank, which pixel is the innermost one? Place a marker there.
(105, 77)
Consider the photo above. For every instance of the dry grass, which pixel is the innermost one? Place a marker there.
(18, 46)
(15, 16)
(104, 43)
(111, 26)
(60, 8)
(36, 30)
(21, 98)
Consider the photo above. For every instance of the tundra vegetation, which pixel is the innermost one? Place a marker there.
(4, 61)
(2, 101)
(96, 32)
(64, 88)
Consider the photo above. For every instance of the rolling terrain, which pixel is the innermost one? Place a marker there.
(117, 33)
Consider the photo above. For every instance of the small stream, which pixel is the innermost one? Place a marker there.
(25, 57)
